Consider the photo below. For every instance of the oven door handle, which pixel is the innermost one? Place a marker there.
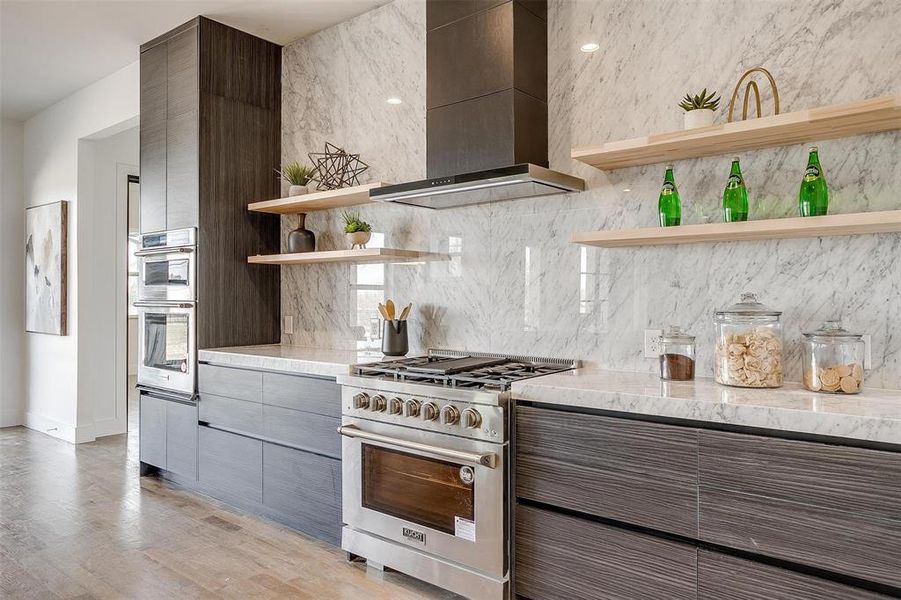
(161, 304)
(169, 250)
(485, 459)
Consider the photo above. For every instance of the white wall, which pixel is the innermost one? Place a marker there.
(51, 172)
(12, 275)
(102, 190)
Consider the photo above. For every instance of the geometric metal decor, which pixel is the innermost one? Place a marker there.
(335, 168)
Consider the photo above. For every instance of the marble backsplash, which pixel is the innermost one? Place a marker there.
(514, 282)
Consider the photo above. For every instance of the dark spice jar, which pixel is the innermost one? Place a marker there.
(677, 359)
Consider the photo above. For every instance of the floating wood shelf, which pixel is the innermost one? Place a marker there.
(367, 255)
(867, 116)
(352, 196)
(888, 221)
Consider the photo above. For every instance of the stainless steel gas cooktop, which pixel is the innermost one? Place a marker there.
(463, 370)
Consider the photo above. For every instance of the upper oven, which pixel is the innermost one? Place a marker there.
(437, 493)
(167, 265)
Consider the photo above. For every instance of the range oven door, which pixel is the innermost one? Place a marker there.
(437, 493)
(167, 355)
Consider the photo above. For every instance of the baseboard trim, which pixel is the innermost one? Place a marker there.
(57, 429)
(109, 427)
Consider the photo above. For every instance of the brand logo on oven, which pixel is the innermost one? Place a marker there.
(414, 535)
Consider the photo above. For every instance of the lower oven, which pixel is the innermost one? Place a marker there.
(439, 494)
(167, 355)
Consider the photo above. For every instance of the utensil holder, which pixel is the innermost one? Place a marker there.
(394, 338)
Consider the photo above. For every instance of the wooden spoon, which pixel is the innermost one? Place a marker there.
(389, 306)
(405, 312)
(383, 311)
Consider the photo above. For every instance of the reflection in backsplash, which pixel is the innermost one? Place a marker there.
(514, 283)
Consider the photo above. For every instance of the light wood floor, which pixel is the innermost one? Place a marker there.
(78, 522)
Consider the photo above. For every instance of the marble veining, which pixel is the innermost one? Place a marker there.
(873, 415)
(290, 359)
(515, 283)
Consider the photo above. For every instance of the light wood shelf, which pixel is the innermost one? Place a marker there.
(366, 255)
(888, 221)
(843, 120)
(351, 196)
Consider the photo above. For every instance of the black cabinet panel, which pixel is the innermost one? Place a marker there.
(560, 558)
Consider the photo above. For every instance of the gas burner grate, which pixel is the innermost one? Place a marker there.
(497, 372)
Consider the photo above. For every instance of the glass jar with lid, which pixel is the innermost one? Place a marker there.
(748, 344)
(677, 357)
(832, 359)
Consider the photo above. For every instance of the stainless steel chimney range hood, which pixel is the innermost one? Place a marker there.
(493, 185)
(486, 107)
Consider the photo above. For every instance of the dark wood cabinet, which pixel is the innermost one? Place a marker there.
(210, 141)
(639, 473)
(597, 495)
(560, 557)
(722, 577)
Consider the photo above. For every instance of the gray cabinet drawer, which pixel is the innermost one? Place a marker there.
(181, 439)
(231, 466)
(321, 396)
(232, 413)
(309, 431)
(559, 557)
(231, 383)
(833, 507)
(722, 577)
(152, 431)
(631, 471)
(305, 489)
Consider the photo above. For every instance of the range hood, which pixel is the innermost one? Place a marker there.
(486, 107)
(493, 185)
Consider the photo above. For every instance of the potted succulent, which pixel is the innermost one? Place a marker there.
(357, 230)
(699, 109)
(297, 176)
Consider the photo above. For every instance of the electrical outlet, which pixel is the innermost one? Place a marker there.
(653, 343)
(867, 351)
(288, 324)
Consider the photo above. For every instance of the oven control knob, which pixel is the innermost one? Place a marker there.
(429, 411)
(471, 418)
(411, 408)
(377, 403)
(361, 400)
(450, 415)
(395, 406)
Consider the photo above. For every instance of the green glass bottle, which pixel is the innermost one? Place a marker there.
(814, 197)
(735, 196)
(669, 206)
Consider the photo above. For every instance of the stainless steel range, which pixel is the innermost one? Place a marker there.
(425, 455)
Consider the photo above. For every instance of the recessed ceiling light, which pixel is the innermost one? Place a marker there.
(627, 189)
(394, 100)
(590, 47)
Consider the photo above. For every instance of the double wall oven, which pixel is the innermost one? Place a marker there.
(167, 311)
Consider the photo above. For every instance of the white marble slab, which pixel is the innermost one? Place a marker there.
(289, 359)
(873, 415)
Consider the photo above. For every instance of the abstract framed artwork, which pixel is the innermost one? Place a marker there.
(46, 261)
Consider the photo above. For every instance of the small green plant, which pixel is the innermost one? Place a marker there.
(296, 173)
(353, 223)
(699, 101)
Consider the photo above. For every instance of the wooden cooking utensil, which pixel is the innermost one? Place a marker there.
(389, 306)
(383, 312)
(405, 312)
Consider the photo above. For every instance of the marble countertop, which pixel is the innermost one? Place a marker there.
(290, 359)
(873, 415)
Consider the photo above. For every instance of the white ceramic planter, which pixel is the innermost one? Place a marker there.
(358, 239)
(297, 190)
(702, 117)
